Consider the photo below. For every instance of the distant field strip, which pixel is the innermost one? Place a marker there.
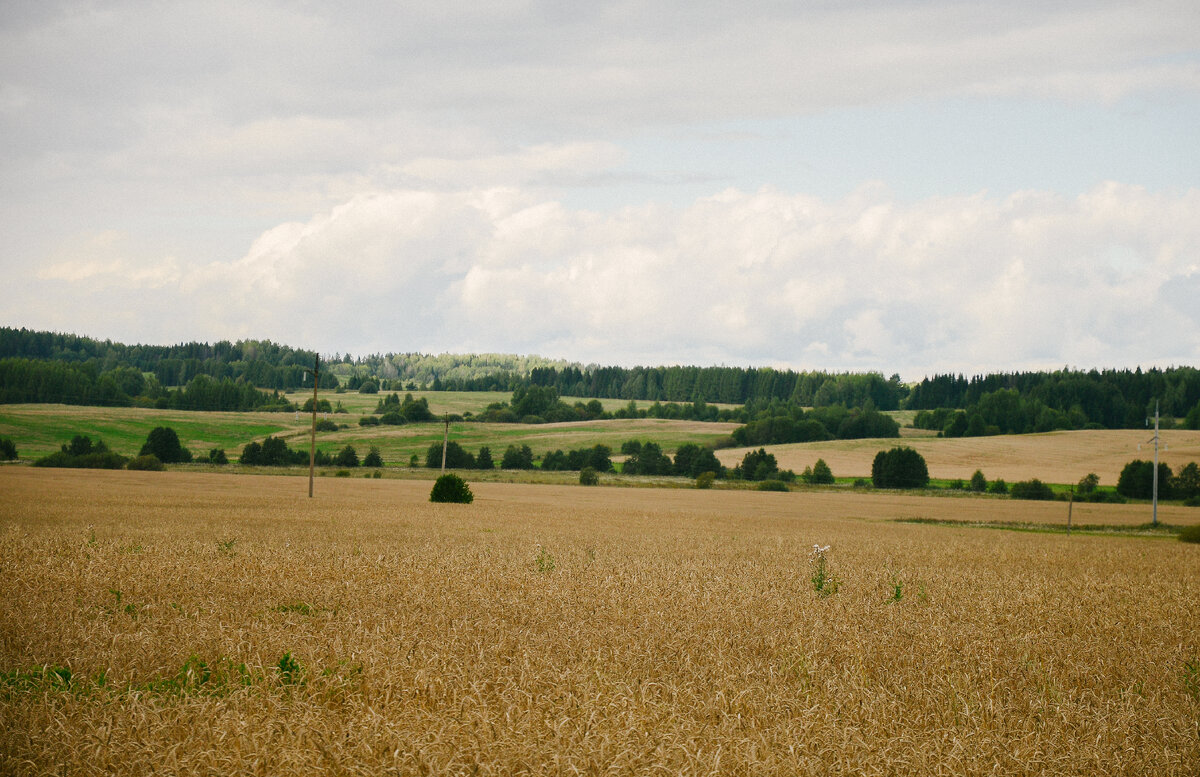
(1057, 457)
(196, 623)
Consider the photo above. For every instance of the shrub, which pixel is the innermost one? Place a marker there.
(217, 456)
(484, 459)
(1190, 533)
(342, 473)
(347, 457)
(997, 486)
(979, 483)
(164, 444)
(147, 463)
(369, 420)
(517, 458)
(451, 488)
(325, 425)
(821, 473)
(392, 418)
(8, 451)
(772, 485)
(705, 479)
(373, 459)
(899, 468)
(1031, 489)
(1088, 483)
(588, 477)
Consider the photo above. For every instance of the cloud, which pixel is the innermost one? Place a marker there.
(1030, 280)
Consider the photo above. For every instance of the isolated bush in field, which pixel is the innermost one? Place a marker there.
(147, 463)
(8, 451)
(1190, 533)
(705, 479)
(325, 425)
(899, 468)
(997, 486)
(588, 477)
(979, 483)
(347, 457)
(342, 473)
(217, 456)
(1088, 483)
(1031, 489)
(772, 485)
(374, 458)
(451, 488)
(163, 443)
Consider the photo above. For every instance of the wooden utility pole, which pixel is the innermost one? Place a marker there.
(1070, 505)
(445, 442)
(312, 445)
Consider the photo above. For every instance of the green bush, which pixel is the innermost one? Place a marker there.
(899, 468)
(342, 473)
(347, 457)
(163, 443)
(997, 486)
(451, 488)
(217, 456)
(147, 463)
(374, 458)
(325, 425)
(979, 483)
(1031, 489)
(1190, 534)
(772, 485)
(705, 479)
(588, 477)
(8, 451)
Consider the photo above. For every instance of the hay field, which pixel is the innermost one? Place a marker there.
(242, 628)
(1055, 457)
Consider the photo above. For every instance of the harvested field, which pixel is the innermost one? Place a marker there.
(194, 623)
(1056, 457)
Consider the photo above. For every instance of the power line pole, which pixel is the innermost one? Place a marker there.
(1154, 522)
(445, 442)
(312, 445)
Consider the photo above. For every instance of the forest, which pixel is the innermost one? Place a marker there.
(778, 405)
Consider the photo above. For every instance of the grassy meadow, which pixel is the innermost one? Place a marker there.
(199, 623)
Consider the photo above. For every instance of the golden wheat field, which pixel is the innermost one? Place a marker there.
(195, 623)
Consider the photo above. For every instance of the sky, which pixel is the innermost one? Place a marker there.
(907, 187)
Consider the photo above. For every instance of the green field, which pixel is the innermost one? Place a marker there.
(37, 430)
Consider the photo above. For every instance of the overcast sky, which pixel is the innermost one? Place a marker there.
(910, 187)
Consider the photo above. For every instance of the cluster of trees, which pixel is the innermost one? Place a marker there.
(1137, 481)
(82, 452)
(1069, 399)
(776, 422)
(393, 411)
(458, 457)
(598, 458)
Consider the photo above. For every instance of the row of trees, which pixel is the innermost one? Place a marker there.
(1109, 398)
(29, 380)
